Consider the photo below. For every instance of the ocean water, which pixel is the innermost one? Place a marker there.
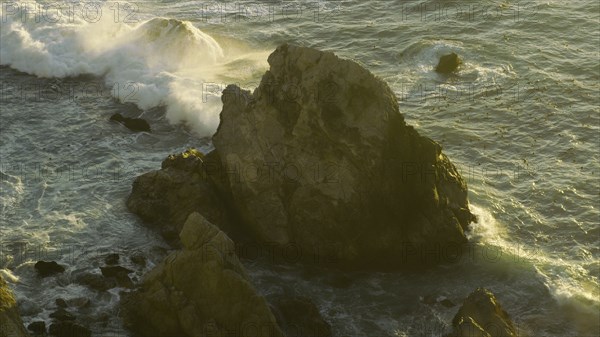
(520, 119)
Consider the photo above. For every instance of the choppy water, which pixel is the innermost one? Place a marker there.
(521, 120)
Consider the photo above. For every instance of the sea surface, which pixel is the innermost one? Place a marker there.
(520, 119)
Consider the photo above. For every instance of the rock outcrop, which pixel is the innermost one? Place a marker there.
(166, 197)
(202, 290)
(448, 63)
(320, 157)
(10, 320)
(482, 316)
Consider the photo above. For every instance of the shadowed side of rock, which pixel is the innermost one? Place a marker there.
(202, 290)
(11, 324)
(319, 156)
(166, 197)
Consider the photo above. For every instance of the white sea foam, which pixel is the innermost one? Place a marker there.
(159, 62)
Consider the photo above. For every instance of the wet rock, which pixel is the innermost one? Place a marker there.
(61, 303)
(429, 299)
(299, 317)
(165, 198)
(62, 315)
(138, 259)
(447, 303)
(79, 302)
(202, 290)
(45, 269)
(482, 316)
(114, 271)
(120, 274)
(133, 124)
(112, 259)
(69, 329)
(448, 63)
(320, 157)
(10, 320)
(38, 328)
(95, 281)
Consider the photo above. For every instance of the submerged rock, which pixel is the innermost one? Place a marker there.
(37, 328)
(11, 324)
(482, 316)
(165, 198)
(69, 329)
(95, 281)
(320, 157)
(202, 290)
(133, 124)
(111, 259)
(46, 269)
(448, 63)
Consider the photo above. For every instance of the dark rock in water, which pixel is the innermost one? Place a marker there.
(62, 315)
(79, 302)
(482, 316)
(138, 259)
(447, 303)
(133, 124)
(38, 328)
(69, 329)
(114, 271)
(429, 299)
(46, 269)
(61, 303)
(11, 324)
(120, 274)
(165, 198)
(448, 63)
(299, 316)
(202, 290)
(95, 282)
(338, 172)
(112, 259)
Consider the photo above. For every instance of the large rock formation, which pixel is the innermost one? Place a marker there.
(166, 197)
(10, 320)
(202, 290)
(320, 157)
(482, 316)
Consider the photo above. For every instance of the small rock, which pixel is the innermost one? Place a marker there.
(62, 315)
(112, 259)
(114, 271)
(95, 282)
(138, 259)
(69, 329)
(447, 303)
(79, 302)
(429, 299)
(133, 124)
(45, 269)
(38, 328)
(120, 274)
(61, 303)
(448, 63)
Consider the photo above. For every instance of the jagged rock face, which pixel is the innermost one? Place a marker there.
(202, 290)
(10, 320)
(482, 316)
(166, 197)
(320, 156)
